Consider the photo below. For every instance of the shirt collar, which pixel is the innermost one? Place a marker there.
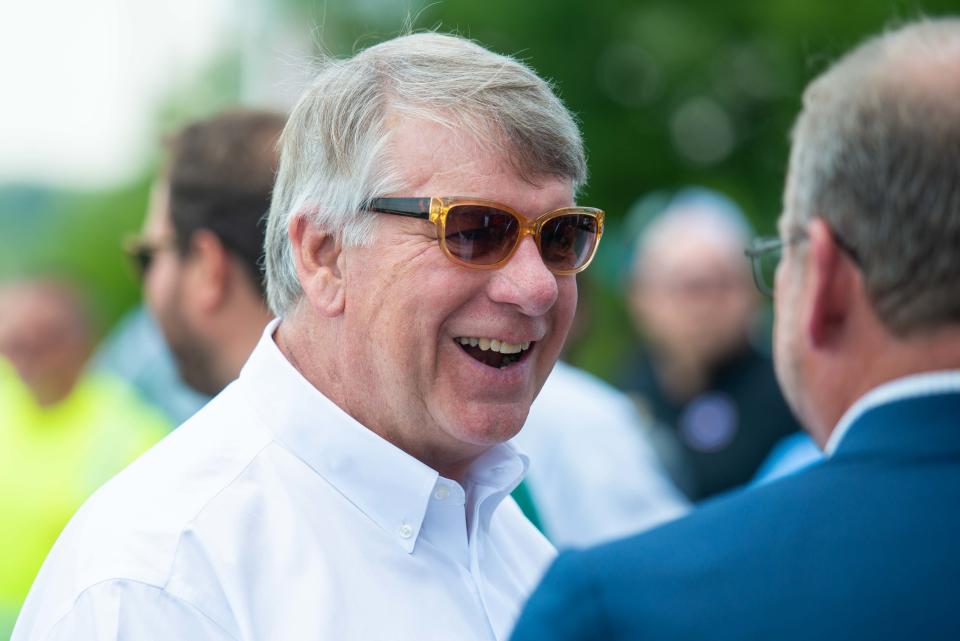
(385, 483)
(926, 384)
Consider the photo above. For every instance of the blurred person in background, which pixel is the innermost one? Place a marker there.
(201, 251)
(200, 257)
(63, 431)
(867, 344)
(593, 474)
(700, 375)
(357, 469)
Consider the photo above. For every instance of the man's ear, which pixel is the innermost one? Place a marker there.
(317, 256)
(208, 270)
(832, 279)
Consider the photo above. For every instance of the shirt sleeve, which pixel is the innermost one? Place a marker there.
(124, 610)
(565, 607)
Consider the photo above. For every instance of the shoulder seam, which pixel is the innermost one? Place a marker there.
(147, 585)
(206, 503)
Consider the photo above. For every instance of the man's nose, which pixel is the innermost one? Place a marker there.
(525, 281)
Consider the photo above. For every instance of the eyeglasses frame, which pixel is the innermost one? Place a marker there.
(141, 251)
(762, 246)
(435, 210)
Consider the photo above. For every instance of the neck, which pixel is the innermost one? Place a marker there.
(235, 335)
(894, 359)
(299, 336)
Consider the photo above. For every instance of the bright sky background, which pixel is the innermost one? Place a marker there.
(80, 81)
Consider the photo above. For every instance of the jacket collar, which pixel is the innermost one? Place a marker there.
(911, 426)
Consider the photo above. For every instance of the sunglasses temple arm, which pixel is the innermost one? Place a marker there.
(412, 207)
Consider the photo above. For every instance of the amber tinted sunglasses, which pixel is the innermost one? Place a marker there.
(484, 234)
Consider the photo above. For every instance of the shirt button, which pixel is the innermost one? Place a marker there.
(406, 531)
(442, 493)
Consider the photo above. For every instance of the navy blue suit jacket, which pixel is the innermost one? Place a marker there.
(863, 546)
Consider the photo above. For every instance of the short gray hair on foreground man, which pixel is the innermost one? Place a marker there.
(877, 155)
(337, 150)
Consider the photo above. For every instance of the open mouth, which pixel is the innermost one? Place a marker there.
(493, 352)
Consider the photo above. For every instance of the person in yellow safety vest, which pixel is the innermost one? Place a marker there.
(63, 431)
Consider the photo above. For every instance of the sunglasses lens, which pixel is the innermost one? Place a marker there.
(567, 242)
(479, 234)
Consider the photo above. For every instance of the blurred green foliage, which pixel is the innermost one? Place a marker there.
(669, 94)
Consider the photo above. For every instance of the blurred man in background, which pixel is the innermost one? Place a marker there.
(202, 245)
(700, 376)
(63, 431)
(867, 343)
(200, 258)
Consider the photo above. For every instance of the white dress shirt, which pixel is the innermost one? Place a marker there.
(273, 515)
(593, 476)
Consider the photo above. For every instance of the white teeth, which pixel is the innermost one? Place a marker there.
(510, 348)
(494, 344)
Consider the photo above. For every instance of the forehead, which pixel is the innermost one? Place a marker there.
(692, 253)
(694, 240)
(436, 160)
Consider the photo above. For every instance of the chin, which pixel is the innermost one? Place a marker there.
(488, 424)
(197, 378)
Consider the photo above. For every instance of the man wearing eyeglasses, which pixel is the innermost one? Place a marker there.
(353, 483)
(201, 251)
(867, 347)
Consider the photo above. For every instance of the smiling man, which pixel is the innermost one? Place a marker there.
(353, 483)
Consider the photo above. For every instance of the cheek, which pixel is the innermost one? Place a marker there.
(566, 306)
(785, 339)
(157, 285)
(392, 329)
(734, 312)
(153, 294)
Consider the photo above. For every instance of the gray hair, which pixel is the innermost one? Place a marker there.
(334, 148)
(876, 154)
